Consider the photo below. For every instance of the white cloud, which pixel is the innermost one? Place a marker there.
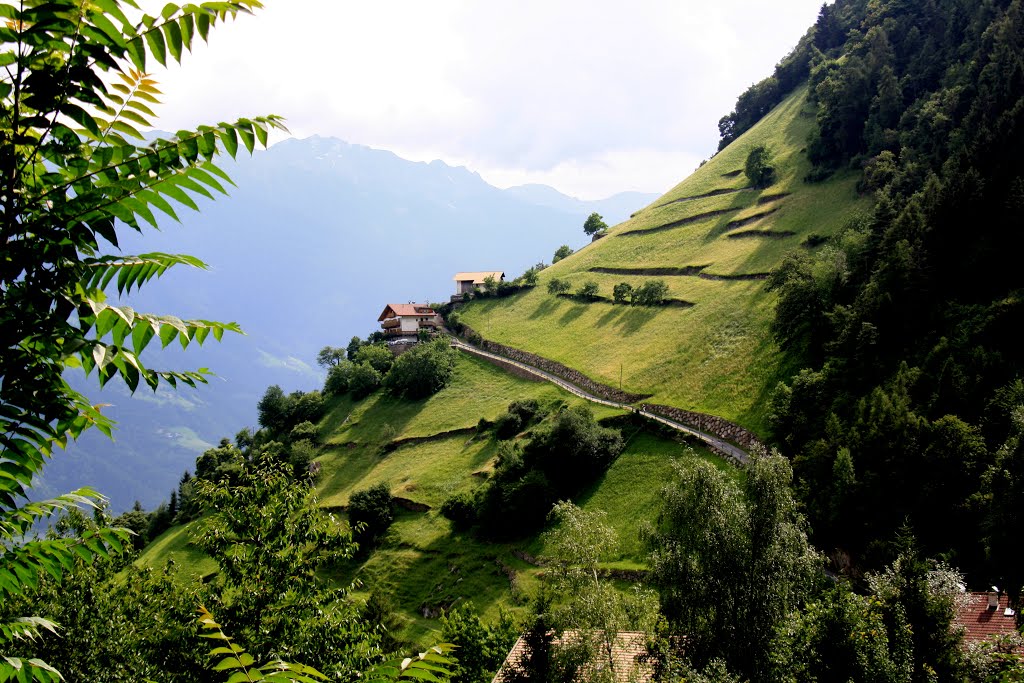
(595, 96)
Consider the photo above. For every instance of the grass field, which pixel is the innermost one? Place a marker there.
(176, 544)
(718, 356)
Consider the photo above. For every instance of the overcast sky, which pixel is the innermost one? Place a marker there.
(590, 97)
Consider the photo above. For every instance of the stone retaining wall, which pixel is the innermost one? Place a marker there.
(398, 443)
(554, 368)
(712, 424)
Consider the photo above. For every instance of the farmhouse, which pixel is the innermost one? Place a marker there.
(986, 616)
(406, 320)
(467, 282)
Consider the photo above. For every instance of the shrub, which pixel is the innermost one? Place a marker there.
(526, 409)
(380, 357)
(363, 380)
(759, 169)
(507, 426)
(561, 253)
(305, 430)
(588, 291)
(300, 455)
(650, 293)
(306, 407)
(530, 277)
(557, 286)
(370, 513)
(460, 509)
(338, 377)
(422, 371)
(622, 293)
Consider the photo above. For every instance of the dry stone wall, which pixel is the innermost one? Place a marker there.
(554, 368)
(712, 424)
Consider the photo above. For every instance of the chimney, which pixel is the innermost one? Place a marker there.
(993, 599)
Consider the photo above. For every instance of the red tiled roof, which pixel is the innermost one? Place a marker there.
(406, 309)
(628, 646)
(981, 623)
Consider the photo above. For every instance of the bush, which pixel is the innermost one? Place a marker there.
(422, 371)
(305, 430)
(370, 513)
(526, 409)
(306, 407)
(759, 169)
(507, 426)
(622, 293)
(363, 380)
(338, 377)
(650, 293)
(557, 286)
(380, 357)
(530, 277)
(300, 455)
(588, 292)
(460, 509)
(561, 253)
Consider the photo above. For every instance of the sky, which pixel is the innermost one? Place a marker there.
(592, 98)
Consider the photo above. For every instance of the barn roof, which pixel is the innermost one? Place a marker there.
(478, 277)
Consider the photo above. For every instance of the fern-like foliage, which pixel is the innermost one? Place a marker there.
(74, 170)
(240, 666)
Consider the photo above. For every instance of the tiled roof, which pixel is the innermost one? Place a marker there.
(479, 277)
(981, 623)
(406, 309)
(628, 646)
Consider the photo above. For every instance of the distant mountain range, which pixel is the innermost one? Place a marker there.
(316, 238)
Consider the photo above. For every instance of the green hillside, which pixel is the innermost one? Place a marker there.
(721, 237)
(422, 564)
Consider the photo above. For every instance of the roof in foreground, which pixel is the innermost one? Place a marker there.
(627, 648)
(478, 277)
(406, 309)
(981, 623)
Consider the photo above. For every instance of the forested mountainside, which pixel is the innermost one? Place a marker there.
(905, 413)
(898, 353)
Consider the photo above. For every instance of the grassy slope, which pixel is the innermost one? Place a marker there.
(422, 562)
(716, 357)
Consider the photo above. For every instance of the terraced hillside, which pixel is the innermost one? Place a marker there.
(428, 450)
(712, 239)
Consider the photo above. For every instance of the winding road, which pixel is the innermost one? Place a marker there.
(716, 444)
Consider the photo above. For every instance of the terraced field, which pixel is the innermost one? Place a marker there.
(713, 240)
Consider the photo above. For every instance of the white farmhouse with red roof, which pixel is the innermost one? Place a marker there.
(406, 320)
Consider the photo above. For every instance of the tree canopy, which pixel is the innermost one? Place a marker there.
(75, 170)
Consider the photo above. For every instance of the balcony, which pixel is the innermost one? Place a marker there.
(390, 323)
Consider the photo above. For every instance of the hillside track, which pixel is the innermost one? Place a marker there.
(716, 444)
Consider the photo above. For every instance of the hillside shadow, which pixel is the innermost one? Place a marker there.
(574, 312)
(636, 317)
(371, 423)
(546, 308)
(613, 313)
